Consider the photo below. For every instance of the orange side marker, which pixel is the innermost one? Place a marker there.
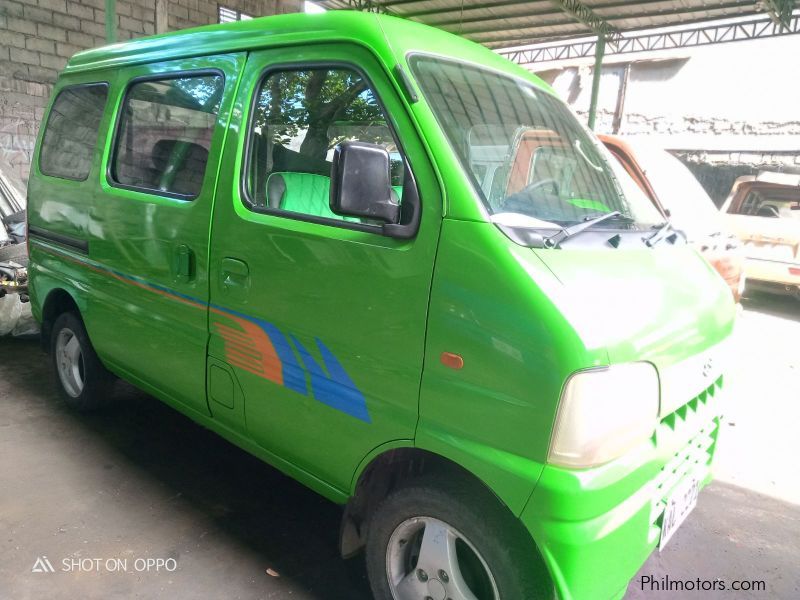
(454, 361)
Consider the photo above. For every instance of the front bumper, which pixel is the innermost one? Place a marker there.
(596, 527)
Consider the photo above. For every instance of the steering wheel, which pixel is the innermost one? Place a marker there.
(767, 210)
(532, 187)
(517, 199)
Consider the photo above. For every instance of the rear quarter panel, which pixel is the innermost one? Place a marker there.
(61, 206)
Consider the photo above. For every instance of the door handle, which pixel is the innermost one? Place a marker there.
(183, 263)
(235, 274)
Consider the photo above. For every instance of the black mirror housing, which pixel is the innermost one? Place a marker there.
(361, 184)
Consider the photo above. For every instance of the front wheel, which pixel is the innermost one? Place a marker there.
(82, 380)
(427, 542)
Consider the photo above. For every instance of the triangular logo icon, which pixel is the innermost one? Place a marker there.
(42, 565)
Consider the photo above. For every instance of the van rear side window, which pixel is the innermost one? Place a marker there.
(70, 136)
(164, 135)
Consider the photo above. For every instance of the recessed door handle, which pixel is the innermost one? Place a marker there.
(235, 274)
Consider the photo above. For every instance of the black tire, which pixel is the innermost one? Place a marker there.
(97, 382)
(496, 535)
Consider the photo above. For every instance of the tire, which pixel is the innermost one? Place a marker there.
(495, 558)
(83, 381)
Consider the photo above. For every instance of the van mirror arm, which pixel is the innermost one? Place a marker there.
(410, 209)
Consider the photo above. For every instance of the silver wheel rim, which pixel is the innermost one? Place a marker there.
(429, 559)
(69, 362)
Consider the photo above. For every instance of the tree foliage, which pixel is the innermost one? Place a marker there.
(323, 106)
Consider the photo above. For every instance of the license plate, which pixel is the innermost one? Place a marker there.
(679, 505)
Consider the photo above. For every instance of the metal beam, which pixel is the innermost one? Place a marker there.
(362, 5)
(491, 28)
(456, 9)
(514, 15)
(619, 111)
(780, 10)
(647, 42)
(599, 51)
(111, 21)
(532, 39)
(586, 15)
(402, 2)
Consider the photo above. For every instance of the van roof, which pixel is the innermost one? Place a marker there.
(391, 38)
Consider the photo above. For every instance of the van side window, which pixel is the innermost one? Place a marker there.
(164, 135)
(299, 118)
(70, 135)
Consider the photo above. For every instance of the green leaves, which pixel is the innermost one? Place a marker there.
(319, 108)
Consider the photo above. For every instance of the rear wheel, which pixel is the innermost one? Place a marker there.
(427, 542)
(82, 380)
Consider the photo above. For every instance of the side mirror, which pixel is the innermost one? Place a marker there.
(360, 183)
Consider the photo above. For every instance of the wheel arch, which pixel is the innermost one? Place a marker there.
(57, 302)
(385, 469)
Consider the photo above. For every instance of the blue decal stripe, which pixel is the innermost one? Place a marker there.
(335, 389)
(294, 377)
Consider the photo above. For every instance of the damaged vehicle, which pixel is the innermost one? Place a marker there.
(15, 311)
(764, 212)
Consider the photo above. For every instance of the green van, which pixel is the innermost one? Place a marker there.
(298, 231)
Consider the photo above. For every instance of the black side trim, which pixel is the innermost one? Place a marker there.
(59, 238)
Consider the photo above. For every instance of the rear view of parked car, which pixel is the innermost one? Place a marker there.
(764, 211)
(309, 234)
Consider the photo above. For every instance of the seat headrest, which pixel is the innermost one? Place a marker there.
(276, 189)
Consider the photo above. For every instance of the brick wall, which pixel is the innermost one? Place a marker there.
(38, 36)
(189, 13)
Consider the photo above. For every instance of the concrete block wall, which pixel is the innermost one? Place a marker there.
(190, 13)
(718, 170)
(38, 36)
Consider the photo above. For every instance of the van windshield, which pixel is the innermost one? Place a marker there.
(530, 160)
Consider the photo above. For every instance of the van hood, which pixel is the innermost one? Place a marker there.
(665, 304)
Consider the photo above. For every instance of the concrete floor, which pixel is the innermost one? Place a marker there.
(142, 482)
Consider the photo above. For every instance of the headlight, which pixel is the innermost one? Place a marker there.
(603, 413)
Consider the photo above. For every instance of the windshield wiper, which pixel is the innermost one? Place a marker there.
(567, 232)
(663, 231)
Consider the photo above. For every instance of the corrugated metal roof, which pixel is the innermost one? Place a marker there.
(504, 23)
